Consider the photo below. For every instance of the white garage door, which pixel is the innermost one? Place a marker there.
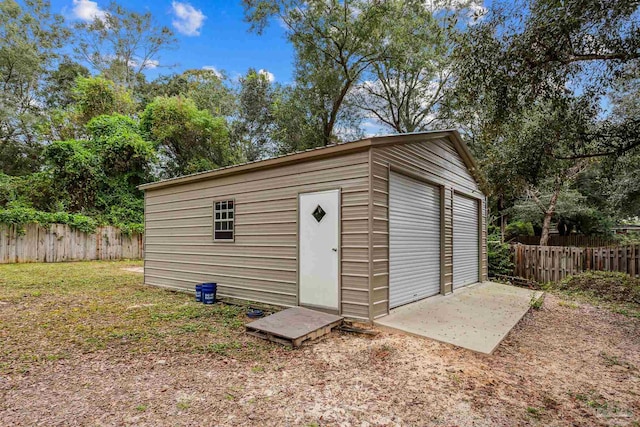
(466, 264)
(414, 241)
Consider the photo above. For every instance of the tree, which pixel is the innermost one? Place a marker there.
(30, 37)
(532, 50)
(207, 88)
(61, 82)
(95, 96)
(188, 139)
(335, 43)
(77, 173)
(123, 151)
(405, 88)
(121, 44)
(98, 176)
(253, 127)
(296, 126)
(531, 78)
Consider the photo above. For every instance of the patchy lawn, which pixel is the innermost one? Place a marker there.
(87, 344)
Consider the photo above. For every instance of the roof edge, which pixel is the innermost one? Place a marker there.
(323, 152)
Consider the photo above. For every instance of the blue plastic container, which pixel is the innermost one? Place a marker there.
(198, 293)
(209, 293)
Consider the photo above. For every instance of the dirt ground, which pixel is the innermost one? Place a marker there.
(568, 364)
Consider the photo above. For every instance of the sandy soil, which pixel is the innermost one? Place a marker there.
(562, 365)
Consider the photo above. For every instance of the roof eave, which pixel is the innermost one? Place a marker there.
(323, 152)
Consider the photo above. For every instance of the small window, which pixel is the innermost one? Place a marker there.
(223, 220)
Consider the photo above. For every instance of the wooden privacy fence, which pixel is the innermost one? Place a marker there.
(554, 263)
(59, 242)
(570, 240)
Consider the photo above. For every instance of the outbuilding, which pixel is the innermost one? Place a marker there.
(357, 228)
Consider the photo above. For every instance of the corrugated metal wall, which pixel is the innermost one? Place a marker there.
(414, 239)
(436, 161)
(261, 265)
(466, 241)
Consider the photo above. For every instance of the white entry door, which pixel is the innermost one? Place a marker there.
(319, 251)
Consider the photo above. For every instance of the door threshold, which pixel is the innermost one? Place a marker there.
(321, 309)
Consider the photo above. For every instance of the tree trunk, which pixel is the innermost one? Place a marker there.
(503, 220)
(551, 210)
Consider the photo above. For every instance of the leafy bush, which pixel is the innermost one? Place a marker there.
(20, 216)
(605, 285)
(499, 255)
(518, 228)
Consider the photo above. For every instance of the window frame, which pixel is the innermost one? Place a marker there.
(225, 220)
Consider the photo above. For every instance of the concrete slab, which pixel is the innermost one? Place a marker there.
(476, 317)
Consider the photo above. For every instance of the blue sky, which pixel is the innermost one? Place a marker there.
(210, 34)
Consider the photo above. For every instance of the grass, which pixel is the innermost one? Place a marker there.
(617, 292)
(569, 304)
(534, 412)
(536, 302)
(595, 401)
(51, 312)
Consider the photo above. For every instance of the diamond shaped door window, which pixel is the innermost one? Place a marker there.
(318, 213)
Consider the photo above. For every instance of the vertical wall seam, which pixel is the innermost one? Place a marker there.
(370, 234)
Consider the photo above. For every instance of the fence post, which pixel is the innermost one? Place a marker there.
(553, 263)
(59, 242)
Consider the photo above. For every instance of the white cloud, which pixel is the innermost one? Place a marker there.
(149, 64)
(475, 10)
(189, 20)
(267, 74)
(87, 10)
(214, 69)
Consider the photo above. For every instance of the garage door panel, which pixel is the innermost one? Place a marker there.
(466, 244)
(414, 241)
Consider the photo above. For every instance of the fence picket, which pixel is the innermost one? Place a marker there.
(59, 242)
(554, 263)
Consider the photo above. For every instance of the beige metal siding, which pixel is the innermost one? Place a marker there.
(261, 265)
(484, 268)
(436, 161)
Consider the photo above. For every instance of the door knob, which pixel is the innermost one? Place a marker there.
(334, 249)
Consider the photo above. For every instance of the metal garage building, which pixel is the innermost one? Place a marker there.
(356, 228)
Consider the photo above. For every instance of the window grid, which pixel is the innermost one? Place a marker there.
(223, 220)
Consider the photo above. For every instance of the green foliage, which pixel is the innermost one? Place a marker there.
(125, 155)
(121, 44)
(295, 128)
(21, 216)
(518, 228)
(573, 213)
(253, 128)
(334, 42)
(76, 171)
(209, 90)
(30, 39)
(190, 140)
(604, 285)
(499, 256)
(407, 87)
(95, 96)
(35, 190)
(61, 82)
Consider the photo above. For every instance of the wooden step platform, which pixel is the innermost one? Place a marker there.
(293, 326)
